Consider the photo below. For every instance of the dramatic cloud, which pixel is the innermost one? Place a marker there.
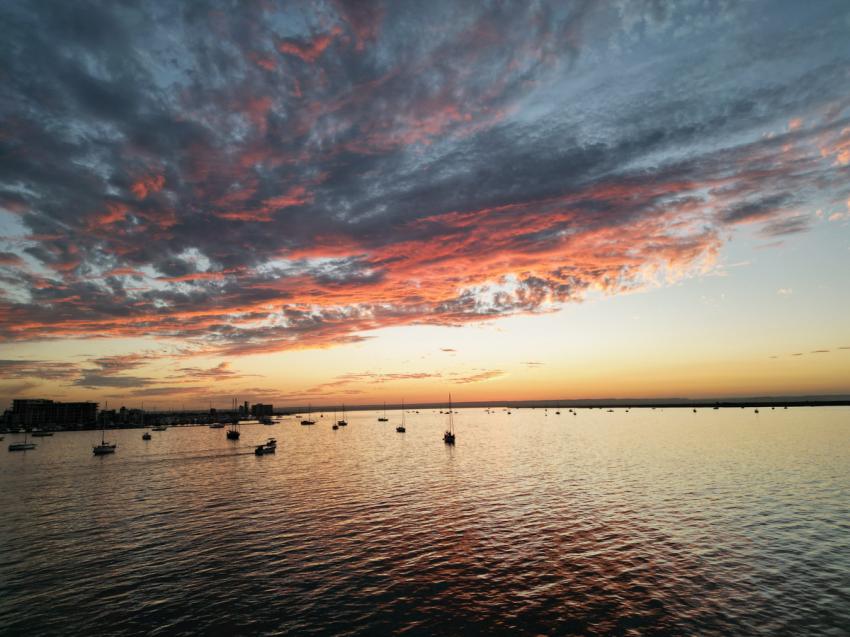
(254, 177)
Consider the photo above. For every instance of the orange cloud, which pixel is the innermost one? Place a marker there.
(147, 186)
(263, 61)
(295, 196)
(310, 51)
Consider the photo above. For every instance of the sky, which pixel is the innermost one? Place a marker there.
(358, 202)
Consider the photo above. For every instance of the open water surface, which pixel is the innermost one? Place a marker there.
(647, 522)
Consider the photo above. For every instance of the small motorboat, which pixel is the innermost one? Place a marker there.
(146, 435)
(37, 433)
(269, 447)
(265, 420)
(216, 425)
(159, 428)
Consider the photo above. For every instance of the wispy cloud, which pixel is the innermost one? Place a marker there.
(41, 369)
(478, 378)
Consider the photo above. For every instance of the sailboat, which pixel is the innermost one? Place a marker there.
(22, 446)
(384, 417)
(308, 420)
(343, 422)
(233, 432)
(401, 429)
(449, 436)
(104, 447)
(335, 425)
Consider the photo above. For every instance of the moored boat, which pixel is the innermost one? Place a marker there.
(269, 447)
(308, 420)
(104, 447)
(449, 435)
(22, 446)
(233, 431)
(401, 428)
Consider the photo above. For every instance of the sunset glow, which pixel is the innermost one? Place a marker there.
(358, 203)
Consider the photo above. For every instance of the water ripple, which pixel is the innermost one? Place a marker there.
(646, 523)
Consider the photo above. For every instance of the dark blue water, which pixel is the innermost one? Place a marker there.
(639, 523)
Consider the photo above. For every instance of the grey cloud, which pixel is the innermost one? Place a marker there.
(557, 120)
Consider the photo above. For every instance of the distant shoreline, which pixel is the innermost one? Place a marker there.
(598, 404)
(670, 403)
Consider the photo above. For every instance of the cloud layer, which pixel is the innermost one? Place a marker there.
(245, 178)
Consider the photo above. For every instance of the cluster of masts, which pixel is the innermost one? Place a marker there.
(233, 431)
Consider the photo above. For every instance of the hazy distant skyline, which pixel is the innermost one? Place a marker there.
(333, 201)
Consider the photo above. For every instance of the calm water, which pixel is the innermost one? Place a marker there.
(640, 523)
